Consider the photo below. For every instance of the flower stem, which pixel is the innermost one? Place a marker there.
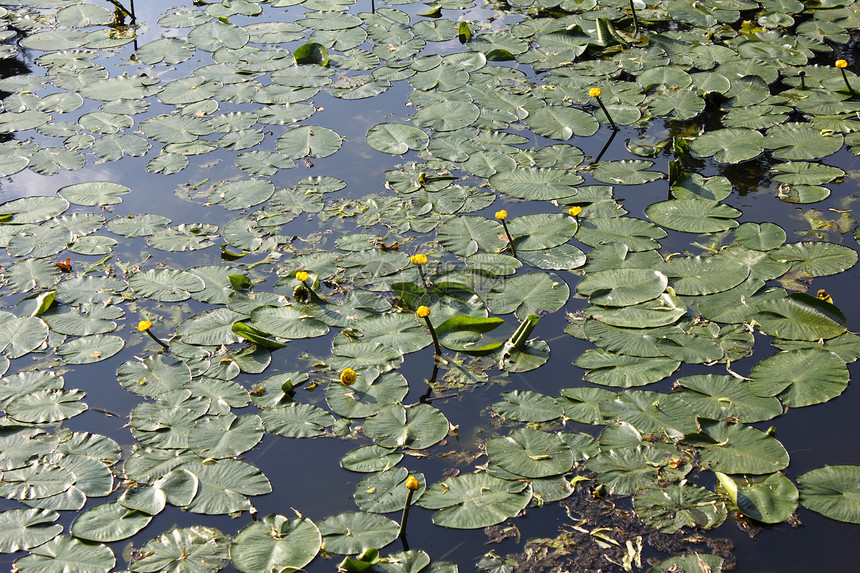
(421, 274)
(405, 515)
(635, 19)
(158, 340)
(436, 347)
(847, 83)
(606, 113)
(510, 238)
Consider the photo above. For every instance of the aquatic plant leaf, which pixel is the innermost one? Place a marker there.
(832, 491)
(661, 311)
(165, 285)
(446, 115)
(674, 506)
(366, 396)
(308, 141)
(210, 328)
(474, 501)
(622, 287)
(694, 186)
(703, 275)
(760, 236)
(108, 522)
(225, 436)
(396, 138)
(90, 349)
(386, 491)
(769, 500)
(464, 235)
(287, 322)
(536, 183)
(800, 377)
(626, 172)
(198, 548)
(620, 371)
(561, 123)
(817, 258)
(792, 141)
(371, 458)
(650, 412)
(693, 215)
(153, 375)
(738, 449)
(627, 341)
(46, 406)
(731, 145)
(800, 316)
(311, 53)
(352, 533)
(624, 471)
(224, 485)
(296, 420)
(216, 34)
(29, 210)
(529, 293)
(721, 397)
(528, 406)
(531, 453)
(94, 194)
(417, 427)
(541, 231)
(690, 562)
(21, 335)
(275, 543)
(635, 234)
(21, 529)
(64, 553)
(582, 404)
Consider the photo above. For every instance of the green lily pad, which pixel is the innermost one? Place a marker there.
(738, 449)
(23, 529)
(832, 491)
(108, 522)
(65, 553)
(800, 377)
(417, 427)
(622, 287)
(800, 317)
(771, 500)
(528, 406)
(679, 505)
(275, 543)
(474, 501)
(205, 547)
(386, 491)
(352, 533)
(693, 215)
(531, 453)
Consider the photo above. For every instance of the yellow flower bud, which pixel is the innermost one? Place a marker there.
(348, 377)
(144, 325)
(574, 211)
(302, 276)
(418, 259)
(412, 483)
(824, 295)
(501, 215)
(594, 92)
(423, 312)
(841, 64)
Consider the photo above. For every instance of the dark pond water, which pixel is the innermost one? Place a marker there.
(305, 474)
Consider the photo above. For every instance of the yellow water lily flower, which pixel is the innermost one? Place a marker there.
(302, 276)
(501, 215)
(594, 92)
(418, 259)
(824, 295)
(841, 64)
(348, 377)
(412, 483)
(574, 211)
(144, 325)
(423, 312)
